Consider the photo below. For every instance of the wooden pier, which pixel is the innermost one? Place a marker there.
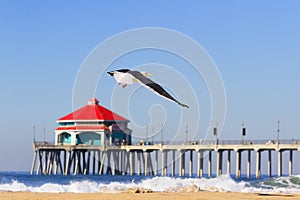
(165, 160)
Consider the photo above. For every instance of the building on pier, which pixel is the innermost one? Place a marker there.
(92, 124)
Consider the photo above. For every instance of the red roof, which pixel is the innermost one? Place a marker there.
(93, 112)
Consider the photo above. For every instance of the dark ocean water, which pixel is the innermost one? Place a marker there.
(23, 181)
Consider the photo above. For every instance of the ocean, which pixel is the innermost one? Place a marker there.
(23, 181)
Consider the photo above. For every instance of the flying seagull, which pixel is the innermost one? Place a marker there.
(126, 76)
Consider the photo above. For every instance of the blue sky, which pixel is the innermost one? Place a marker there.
(255, 45)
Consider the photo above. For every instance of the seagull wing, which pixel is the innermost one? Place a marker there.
(156, 88)
(123, 70)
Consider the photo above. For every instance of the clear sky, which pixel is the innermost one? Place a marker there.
(255, 45)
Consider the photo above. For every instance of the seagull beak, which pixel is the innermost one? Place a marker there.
(148, 74)
(111, 73)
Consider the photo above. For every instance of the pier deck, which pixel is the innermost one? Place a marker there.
(163, 159)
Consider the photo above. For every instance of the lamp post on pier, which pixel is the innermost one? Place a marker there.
(278, 130)
(146, 134)
(215, 132)
(33, 134)
(186, 133)
(161, 134)
(44, 135)
(243, 132)
(152, 135)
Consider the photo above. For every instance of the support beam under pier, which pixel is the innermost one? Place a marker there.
(269, 163)
(156, 163)
(249, 164)
(279, 163)
(291, 163)
(181, 163)
(200, 164)
(219, 162)
(191, 163)
(33, 163)
(238, 164)
(209, 165)
(173, 162)
(164, 157)
(138, 154)
(258, 164)
(228, 161)
(131, 162)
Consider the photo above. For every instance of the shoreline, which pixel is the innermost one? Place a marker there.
(203, 195)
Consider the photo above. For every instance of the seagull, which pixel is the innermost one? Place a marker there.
(127, 77)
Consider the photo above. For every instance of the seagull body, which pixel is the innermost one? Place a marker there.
(126, 76)
(123, 76)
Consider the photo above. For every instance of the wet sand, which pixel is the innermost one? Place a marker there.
(143, 196)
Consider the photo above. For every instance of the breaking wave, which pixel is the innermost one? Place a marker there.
(224, 183)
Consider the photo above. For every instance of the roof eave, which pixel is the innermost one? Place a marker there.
(69, 120)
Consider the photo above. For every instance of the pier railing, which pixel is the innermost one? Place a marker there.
(205, 142)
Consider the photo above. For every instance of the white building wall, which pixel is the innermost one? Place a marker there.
(73, 137)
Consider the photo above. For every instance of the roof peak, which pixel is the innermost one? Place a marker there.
(93, 101)
(93, 112)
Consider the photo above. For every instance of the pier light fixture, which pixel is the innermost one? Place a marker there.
(215, 132)
(278, 130)
(161, 134)
(33, 134)
(152, 135)
(243, 132)
(186, 133)
(44, 134)
(146, 134)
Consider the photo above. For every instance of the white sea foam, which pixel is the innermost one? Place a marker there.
(222, 183)
(286, 185)
(157, 184)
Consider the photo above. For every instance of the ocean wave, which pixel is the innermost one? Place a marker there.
(223, 183)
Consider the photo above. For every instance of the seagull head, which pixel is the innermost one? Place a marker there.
(111, 73)
(146, 74)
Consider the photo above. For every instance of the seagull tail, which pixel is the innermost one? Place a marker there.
(183, 105)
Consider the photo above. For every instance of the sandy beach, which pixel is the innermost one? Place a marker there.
(139, 196)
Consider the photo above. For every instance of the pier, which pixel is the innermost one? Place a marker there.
(192, 159)
(95, 140)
